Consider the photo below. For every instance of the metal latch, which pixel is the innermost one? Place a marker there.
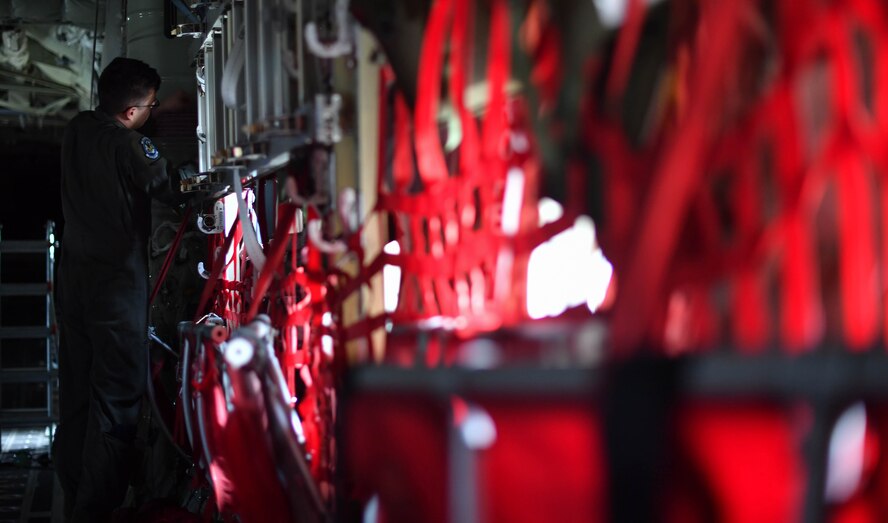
(212, 222)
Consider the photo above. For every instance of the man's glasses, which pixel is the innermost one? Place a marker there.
(153, 105)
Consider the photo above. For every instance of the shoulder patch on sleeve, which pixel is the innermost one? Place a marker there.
(148, 148)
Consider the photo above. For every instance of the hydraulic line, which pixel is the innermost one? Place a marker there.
(152, 397)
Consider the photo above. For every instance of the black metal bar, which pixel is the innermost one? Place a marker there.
(24, 289)
(25, 332)
(820, 376)
(34, 375)
(24, 246)
(169, 19)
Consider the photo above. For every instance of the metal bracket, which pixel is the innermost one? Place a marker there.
(342, 45)
(187, 30)
(213, 222)
(326, 110)
(209, 182)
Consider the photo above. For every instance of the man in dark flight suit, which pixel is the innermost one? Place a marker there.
(110, 172)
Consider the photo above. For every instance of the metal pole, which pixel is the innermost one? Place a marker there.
(235, 22)
(50, 255)
(1, 315)
(251, 77)
(215, 65)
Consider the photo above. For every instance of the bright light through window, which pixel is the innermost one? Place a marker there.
(612, 12)
(391, 279)
(327, 345)
(846, 454)
(514, 193)
(230, 213)
(568, 270)
(229, 203)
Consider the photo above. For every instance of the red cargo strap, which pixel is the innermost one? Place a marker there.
(430, 158)
(218, 267)
(858, 268)
(674, 182)
(627, 42)
(275, 258)
(461, 46)
(498, 67)
(171, 254)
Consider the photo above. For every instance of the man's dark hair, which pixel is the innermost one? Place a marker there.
(125, 83)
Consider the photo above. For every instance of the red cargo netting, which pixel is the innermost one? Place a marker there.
(761, 173)
(749, 211)
(465, 221)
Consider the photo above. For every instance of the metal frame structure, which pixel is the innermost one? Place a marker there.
(827, 381)
(266, 103)
(262, 103)
(48, 374)
(251, 129)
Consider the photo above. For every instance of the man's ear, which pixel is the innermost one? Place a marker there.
(129, 113)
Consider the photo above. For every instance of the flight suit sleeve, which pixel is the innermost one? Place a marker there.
(149, 171)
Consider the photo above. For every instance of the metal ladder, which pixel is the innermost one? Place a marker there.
(22, 377)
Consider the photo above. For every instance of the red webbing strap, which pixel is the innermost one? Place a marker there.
(460, 62)
(879, 35)
(429, 304)
(787, 146)
(456, 262)
(447, 265)
(489, 178)
(446, 301)
(801, 313)
(802, 317)
(430, 157)
(402, 164)
(541, 40)
(858, 270)
(229, 304)
(239, 259)
(801, 24)
(844, 75)
(275, 258)
(802, 322)
(435, 236)
(419, 277)
(364, 327)
(704, 215)
(298, 313)
(407, 297)
(427, 203)
(627, 42)
(218, 267)
(751, 321)
(622, 165)
(171, 254)
(363, 276)
(883, 201)
(292, 317)
(498, 68)
(857, 267)
(810, 33)
(749, 308)
(874, 20)
(674, 181)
